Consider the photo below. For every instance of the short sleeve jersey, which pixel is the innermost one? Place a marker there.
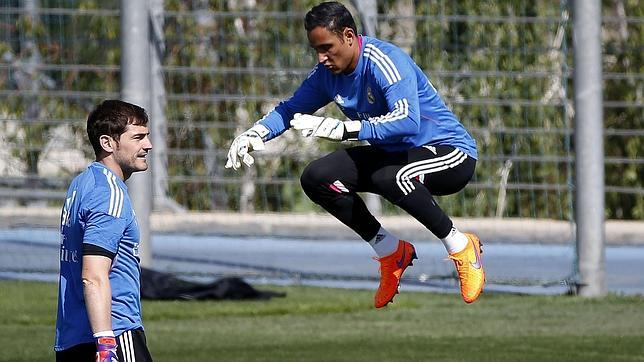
(395, 101)
(97, 211)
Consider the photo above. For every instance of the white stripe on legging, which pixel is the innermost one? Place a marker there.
(129, 337)
(405, 174)
(122, 346)
(127, 346)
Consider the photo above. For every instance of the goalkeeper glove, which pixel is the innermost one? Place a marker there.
(251, 140)
(106, 347)
(326, 127)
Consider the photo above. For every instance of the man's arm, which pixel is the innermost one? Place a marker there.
(310, 96)
(97, 291)
(307, 99)
(98, 302)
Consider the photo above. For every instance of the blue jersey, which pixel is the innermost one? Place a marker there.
(97, 211)
(397, 105)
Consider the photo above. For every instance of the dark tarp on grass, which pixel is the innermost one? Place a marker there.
(164, 286)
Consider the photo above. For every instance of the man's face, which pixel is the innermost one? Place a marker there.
(337, 52)
(132, 148)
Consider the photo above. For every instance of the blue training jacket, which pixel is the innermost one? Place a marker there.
(97, 211)
(397, 105)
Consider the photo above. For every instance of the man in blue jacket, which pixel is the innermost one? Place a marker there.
(99, 298)
(417, 147)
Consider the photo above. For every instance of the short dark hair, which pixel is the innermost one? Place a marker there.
(330, 15)
(112, 118)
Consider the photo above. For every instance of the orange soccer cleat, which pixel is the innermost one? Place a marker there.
(392, 268)
(469, 266)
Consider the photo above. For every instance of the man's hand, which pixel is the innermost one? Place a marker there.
(106, 349)
(323, 127)
(246, 142)
(326, 127)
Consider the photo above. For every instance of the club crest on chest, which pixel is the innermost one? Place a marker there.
(370, 98)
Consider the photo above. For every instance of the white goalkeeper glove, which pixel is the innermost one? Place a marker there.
(325, 127)
(251, 140)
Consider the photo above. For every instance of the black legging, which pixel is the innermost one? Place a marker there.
(408, 179)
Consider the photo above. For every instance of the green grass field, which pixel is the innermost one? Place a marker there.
(319, 324)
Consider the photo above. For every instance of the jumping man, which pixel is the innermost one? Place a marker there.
(417, 147)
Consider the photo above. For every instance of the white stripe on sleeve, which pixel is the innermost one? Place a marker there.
(387, 60)
(112, 191)
(384, 63)
(401, 111)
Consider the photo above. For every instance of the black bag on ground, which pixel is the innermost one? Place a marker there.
(164, 286)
